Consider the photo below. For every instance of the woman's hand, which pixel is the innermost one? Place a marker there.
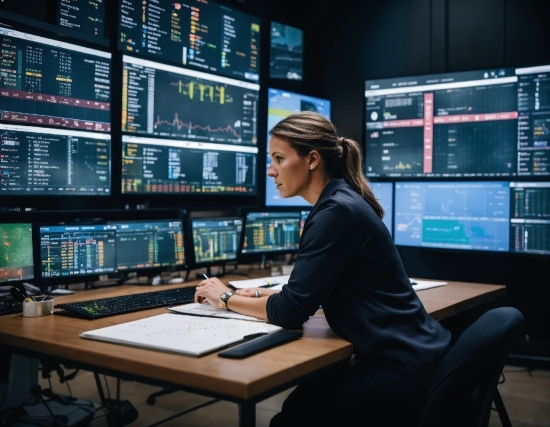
(251, 292)
(209, 291)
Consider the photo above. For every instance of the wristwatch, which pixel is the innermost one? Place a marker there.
(224, 298)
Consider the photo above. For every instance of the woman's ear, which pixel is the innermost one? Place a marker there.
(314, 159)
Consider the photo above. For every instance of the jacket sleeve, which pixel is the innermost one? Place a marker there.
(326, 249)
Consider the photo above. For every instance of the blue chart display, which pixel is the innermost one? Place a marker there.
(280, 105)
(286, 52)
(383, 191)
(459, 215)
(530, 217)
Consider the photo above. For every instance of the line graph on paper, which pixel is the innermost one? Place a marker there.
(177, 333)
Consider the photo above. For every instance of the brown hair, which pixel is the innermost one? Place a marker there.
(306, 131)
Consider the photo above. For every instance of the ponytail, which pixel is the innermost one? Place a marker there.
(306, 131)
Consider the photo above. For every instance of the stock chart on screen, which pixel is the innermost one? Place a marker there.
(489, 123)
(47, 161)
(52, 83)
(16, 255)
(163, 100)
(530, 217)
(454, 215)
(193, 33)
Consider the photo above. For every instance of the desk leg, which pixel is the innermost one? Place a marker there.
(247, 415)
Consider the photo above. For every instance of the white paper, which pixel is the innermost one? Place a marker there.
(192, 335)
(262, 282)
(425, 284)
(198, 309)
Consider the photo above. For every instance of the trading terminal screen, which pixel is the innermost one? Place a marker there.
(77, 250)
(84, 16)
(216, 239)
(168, 101)
(455, 215)
(16, 255)
(47, 161)
(472, 124)
(266, 232)
(530, 217)
(148, 244)
(169, 166)
(383, 191)
(286, 52)
(281, 104)
(197, 33)
(52, 83)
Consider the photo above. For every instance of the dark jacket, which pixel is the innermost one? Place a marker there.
(348, 264)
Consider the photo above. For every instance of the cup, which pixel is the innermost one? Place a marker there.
(38, 308)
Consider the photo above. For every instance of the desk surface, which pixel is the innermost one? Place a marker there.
(237, 380)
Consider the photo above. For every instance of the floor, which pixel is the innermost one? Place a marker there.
(526, 396)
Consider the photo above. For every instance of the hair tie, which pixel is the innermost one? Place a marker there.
(342, 138)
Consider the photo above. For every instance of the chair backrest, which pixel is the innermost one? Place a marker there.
(465, 382)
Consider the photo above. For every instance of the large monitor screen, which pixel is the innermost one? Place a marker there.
(149, 244)
(454, 215)
(383, 191)
(16, 255)
(530, 217)
(471, 124)
(164, 100)
(197, 33)
(272, 231)
(168, 166)
(52, 83)
(77, 250)
(84, 16)
(215, 240)
(280, 105)
(286, 52)
(46, 161)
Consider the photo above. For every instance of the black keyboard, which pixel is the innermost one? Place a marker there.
(94, 309)
(9, 306)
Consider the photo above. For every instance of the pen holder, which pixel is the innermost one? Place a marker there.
(38, 308)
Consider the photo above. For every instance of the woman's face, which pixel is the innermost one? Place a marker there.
(289, 171)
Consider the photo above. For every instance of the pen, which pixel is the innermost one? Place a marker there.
(270, 283)
(205, 276)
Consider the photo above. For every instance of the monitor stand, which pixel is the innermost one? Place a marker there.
(208, 273)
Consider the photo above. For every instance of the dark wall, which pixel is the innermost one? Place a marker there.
(370, 40)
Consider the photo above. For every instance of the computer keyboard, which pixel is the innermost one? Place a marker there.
(9, 306)
(94, 309)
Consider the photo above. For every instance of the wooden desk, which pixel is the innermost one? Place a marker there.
(242, 381)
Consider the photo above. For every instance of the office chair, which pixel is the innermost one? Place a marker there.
(465, 382)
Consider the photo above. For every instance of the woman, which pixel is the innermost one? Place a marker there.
(347, 263)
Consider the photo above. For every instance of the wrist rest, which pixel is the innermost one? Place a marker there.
(260, 344)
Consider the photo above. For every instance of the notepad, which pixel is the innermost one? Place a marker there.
(189, 335)
(198, 309)
(262, 282)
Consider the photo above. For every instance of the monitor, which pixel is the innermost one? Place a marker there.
(148, 244)
(84, 16)
(281, 104)
(16, 252)
(215, 240)
(530, 217)
(286, 52)
(52, 83)
(163, 100)
(487, 123)
(161, 166)
(453, 215)
(383, 191)
(70, 251)
(267, 232)
(51, 162)
(192, 33)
